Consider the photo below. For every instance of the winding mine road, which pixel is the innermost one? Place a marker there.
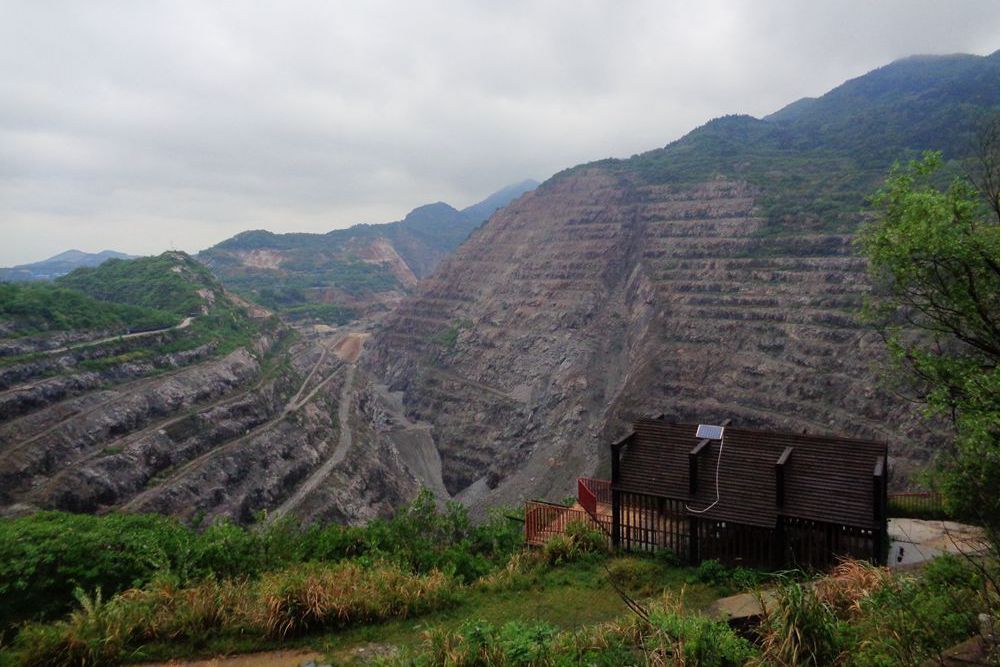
(184, 324)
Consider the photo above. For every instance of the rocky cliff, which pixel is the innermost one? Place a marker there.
(229, 413)
(711, 279)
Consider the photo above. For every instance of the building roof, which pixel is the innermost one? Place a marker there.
(825, 478)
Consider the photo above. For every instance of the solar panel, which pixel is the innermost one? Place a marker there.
(709, 432)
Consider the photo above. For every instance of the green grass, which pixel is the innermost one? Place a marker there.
(569, 597)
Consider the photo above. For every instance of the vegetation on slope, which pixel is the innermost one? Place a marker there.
(408, 582)
(128, 296)
(933, 255)
(169, 282)
(45, 556)
(816, 161)
(43, 307)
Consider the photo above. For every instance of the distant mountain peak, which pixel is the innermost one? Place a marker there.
(59, 265)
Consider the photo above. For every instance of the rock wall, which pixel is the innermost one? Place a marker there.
(597, 299)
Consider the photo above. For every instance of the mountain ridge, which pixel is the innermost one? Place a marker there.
(344, 273)
(711, 278)
(58, 265)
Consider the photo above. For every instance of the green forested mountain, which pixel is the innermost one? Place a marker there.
(815, 160)
(334, 276)
(171, 282)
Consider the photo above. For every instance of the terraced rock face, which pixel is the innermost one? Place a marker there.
(713, 278)
(598, 299)
(285, 428)
(218, 410)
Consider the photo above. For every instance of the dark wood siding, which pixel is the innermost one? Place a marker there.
(826, 479)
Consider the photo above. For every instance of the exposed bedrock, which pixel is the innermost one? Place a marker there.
(596, 299)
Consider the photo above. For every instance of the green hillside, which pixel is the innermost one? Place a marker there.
(169, 282)
(332, 277)
(42, 307)
(816, 160)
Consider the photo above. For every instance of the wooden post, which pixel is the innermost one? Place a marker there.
(693, 467)
(693, 541)
(779, 543)
(780, 478)
(616, 450)
(879, 536)
(616, 521)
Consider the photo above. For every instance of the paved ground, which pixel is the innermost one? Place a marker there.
(915, 540)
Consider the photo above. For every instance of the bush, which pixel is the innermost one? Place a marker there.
(45, 556)
(579, 539)
(696, 640)
(802, 629)
(864, 616)
(311, 597)
(738, 578)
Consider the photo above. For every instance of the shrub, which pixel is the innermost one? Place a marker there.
(45, 556)
(94, 634)
(861, 615)
(909, 620)
(635, 575)
(696, 640)
(801, 630)
(576, 541)
(587, 537)
(515, 574)
(560, 549)
(738, 578)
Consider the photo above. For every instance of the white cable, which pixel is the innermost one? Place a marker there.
(718, 459)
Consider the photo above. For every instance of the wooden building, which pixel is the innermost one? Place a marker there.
(744, 496)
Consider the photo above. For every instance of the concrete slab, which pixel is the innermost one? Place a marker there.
(917, 540)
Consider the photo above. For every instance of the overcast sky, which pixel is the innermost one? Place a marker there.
(141, 126)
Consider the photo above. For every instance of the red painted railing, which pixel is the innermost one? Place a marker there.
(586, 498)
(544, 520)
(600, 489)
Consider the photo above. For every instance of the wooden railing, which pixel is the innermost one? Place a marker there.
(586, 498)
(544, 520)
(599, 489)
(920, 504)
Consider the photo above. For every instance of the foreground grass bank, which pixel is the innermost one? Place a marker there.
(432, 589)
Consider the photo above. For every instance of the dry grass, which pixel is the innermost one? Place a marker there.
(513, 572)
(324, 597)
(279, 604)
(849, 584)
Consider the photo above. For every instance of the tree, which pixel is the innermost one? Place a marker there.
(933, 256)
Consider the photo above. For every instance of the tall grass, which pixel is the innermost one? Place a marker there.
(301, 599)
(45, 556)
(861, 615)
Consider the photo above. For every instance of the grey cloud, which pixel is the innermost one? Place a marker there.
(143, 125)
